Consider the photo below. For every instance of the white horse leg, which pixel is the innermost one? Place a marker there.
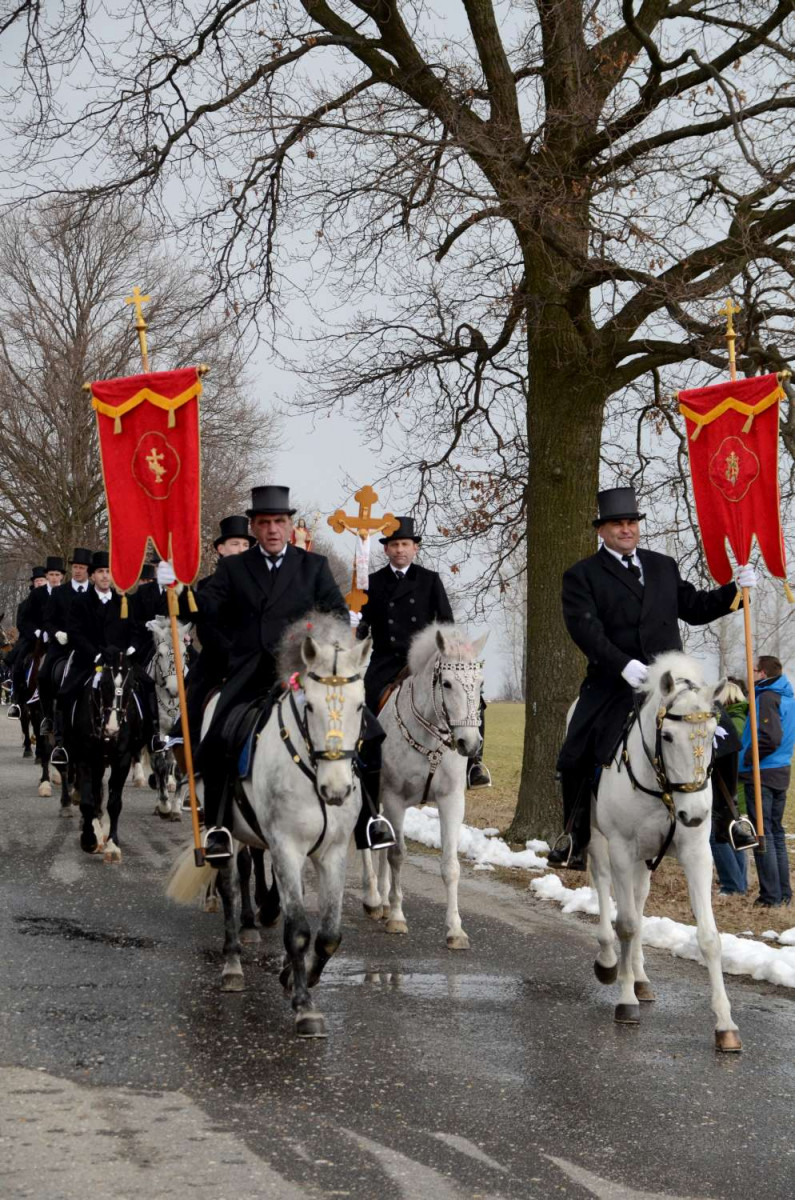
(696, 860)
(391, 863)
(226, 881)
(606, 964)
(330, 871)
(643, 989)
(451, 816)
(372, 897)
(288, 864)
(627, 927)
(382, 868)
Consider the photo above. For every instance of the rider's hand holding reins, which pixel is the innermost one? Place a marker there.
(635, 673)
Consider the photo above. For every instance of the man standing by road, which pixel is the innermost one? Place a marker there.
(775, 722)
(621, 607)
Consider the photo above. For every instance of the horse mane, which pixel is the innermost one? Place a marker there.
(460, 646)
(681, 666)
(322, 626)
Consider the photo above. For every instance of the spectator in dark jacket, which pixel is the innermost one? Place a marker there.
(775, 717)
(730, 861)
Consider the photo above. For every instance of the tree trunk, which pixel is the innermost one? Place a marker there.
(565, 409)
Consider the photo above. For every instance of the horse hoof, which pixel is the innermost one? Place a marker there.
(45, 789)
(310, 1025)
(374, 911)
(268, 920)
(175, 816)
(396, 927)
(727, 1041)
(605, 974)
(164, 816)
(249, 937)
(627, 1014)
(138, 783)
(211, 904)
(55, 776)
(232, 981)
(458, 941)
(65, 811)
(27, 754)
(644, 991)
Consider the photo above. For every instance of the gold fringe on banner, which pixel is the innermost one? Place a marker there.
(124, 605)
(192, 605)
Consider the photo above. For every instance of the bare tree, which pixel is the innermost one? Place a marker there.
(62, 322)
(517, 213)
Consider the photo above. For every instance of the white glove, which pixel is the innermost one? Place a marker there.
(38, 633)
(635, 673)
(45, 637)
(746, 576)
(165, 573)
(718, 736)
(61, 637)
(130, 650)
(355, 618)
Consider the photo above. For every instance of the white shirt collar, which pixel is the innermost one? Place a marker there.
(78, 587)
(275, 562)
(104, 596)
(618, 555)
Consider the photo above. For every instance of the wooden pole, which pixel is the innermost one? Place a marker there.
(728, 310)
(173, 611)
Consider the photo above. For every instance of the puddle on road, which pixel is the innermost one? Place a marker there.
(431, 984)
(73, 931)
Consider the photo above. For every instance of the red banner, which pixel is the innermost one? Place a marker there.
(149, 443)
(732, 436)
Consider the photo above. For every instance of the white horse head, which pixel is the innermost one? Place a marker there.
(680, 717)
(333, 684)
(163, 667)
(455, 680)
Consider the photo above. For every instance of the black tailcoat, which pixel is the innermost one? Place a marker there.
(394, 612)
(148, 602)
(613, 618)
(93, 627)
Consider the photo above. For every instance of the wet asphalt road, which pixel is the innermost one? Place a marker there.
(496, 1073)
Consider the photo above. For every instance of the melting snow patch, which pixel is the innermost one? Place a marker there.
(740, 956)
(480, 845)
(770, 935)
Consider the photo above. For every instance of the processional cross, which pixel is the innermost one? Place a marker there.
(363, 525)
(140, 324)
(728, 311)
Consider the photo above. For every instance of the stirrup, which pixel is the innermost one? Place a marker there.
(59, 757)
(158, 744)
(743, 821)
(221, 855)
(563, 843)
(14, 712)
(384, 837)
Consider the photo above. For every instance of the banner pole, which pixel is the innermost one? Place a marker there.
(173, 610)
(728, 310)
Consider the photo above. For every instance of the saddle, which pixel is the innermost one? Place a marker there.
(392, 687)
(241, 728)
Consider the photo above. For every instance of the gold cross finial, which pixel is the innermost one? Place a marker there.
(140, 324)
(728, 311)
(363, 524)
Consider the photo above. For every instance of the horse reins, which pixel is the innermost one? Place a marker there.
(657, 761)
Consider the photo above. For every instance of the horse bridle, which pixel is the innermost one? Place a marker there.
(334, 751)
(666, 787)
(443, 736)
(104, 711)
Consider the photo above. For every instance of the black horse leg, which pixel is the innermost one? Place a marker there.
(24, 720)
(232, 974)
(248, 925)
(266, 898)
(88, 838)
(297, 936)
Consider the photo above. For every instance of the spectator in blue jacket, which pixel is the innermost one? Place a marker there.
(775, 717)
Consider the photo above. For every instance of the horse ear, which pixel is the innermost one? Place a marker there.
(717, 691)
(309, 650)
(365, 649)
(481, 642)
(440, 642)
(667, 685)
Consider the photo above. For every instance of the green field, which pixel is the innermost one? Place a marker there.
(503, 757)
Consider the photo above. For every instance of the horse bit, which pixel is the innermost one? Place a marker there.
(116, 707)
(657, 762)
(443, 735)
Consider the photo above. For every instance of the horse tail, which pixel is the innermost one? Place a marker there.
(187, 881)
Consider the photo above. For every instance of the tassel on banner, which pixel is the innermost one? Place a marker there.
(788, 592)
(735, 604)
(192, 605)
(749, 423)
(124, 605)
(117, 425)
(172, 419)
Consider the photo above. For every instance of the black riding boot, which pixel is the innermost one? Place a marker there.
(478, 774)
(59, 757)
(576, 785)
(372, 831)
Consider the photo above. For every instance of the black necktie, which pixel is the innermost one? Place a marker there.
(631, 566)
(398, 575)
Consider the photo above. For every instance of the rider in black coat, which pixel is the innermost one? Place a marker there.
(56, 626)
(622, 607)
(31, 620)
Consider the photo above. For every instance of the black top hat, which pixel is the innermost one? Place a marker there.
(234, 527)
(404, 530)
(270, 501)
(99, 558)
(617, 504)
(38, 573)
(55, 563)
(80, 555)
(148, 573)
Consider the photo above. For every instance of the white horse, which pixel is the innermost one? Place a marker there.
(654, 794)
(301, 800)
(162, 669)
(432, 723)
